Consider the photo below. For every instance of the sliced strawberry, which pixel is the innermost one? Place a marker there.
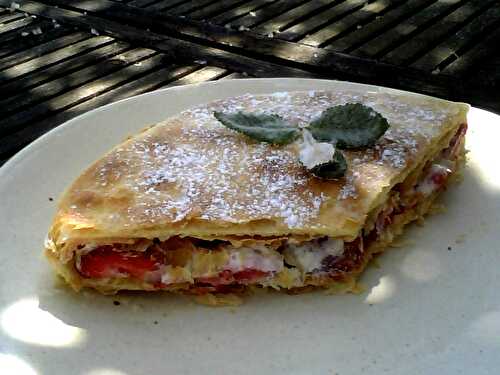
(249, 275)
(226, 277)
(105, 262)
(223, 278)
(439, 178)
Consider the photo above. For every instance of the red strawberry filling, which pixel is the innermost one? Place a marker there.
(227, 277)
(109, 261)
(105, 262)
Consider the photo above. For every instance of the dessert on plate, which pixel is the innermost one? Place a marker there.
(241, 193)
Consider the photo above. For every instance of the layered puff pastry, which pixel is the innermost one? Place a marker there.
(190, 206)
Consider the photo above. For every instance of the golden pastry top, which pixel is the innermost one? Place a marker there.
(191, 176)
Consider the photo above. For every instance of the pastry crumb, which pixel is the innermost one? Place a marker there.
(136, 307)
(460, 238)
(401, 243)
(219, 300)
(437, 208)
(358, 288)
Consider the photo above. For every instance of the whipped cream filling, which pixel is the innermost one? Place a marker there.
(435, 178)
(309, 256)
(259, 258)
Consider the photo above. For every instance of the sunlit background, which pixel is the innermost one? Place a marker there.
(485, 164)
(12, 364)
(381, 292)
(26, 322)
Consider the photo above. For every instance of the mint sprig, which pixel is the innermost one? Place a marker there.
(265, 128)
(332, 170)
(348, 126)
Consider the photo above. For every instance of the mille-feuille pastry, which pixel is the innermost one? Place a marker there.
(191, 206)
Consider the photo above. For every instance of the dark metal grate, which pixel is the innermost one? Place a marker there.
(60, 58)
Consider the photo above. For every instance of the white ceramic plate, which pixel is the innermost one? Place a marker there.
(426, 310)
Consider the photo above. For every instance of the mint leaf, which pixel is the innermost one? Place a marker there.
(262, 127)
(350, 126)
(332, 170)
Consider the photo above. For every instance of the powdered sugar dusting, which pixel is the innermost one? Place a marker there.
(192, 167)
(349, 189)
(394, 155)
(217, 181)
